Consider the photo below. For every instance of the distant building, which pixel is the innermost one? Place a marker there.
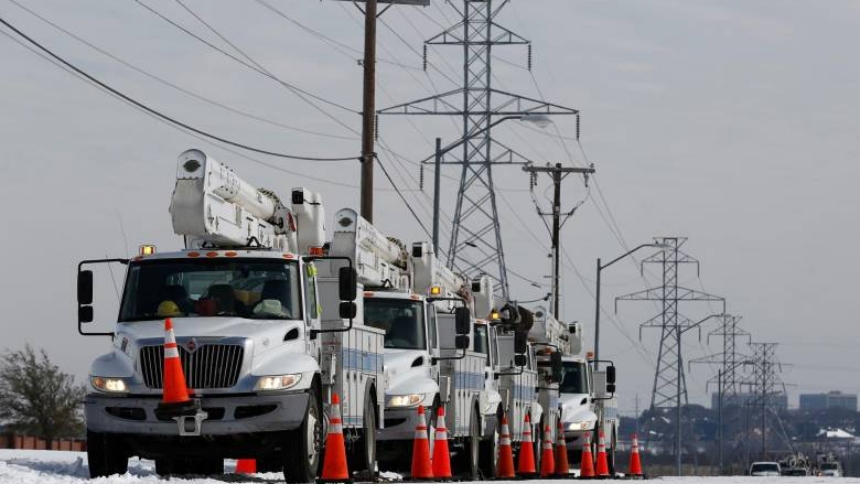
(823, 401)
(778, 401)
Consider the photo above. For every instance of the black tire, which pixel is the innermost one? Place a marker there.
(472, 450)
(363, 455)
(610, 454)
(303, 446)
(537, 441)
(489, 454)
(106, 455)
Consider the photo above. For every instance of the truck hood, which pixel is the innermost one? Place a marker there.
(408, 371)
(264, 335)
(575, 407)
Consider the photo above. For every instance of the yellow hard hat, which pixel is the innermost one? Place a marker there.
(168, 308)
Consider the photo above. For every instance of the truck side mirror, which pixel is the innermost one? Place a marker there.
(462, 320)
(85, 288)
(347, 284)
(520, 343)
(610, 377)
(85, 314)
(555, 366)
(610, 388)
(347, 310)
(461, 342)
(520, 360)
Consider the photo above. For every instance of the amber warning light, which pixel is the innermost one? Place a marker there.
(147, 249)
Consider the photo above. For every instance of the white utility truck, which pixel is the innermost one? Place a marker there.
(587, 398)
(263, 341)
(424, 310)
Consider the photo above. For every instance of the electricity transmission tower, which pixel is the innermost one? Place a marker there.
(669, 383)
(481, 107)
(727, 378)
(764, 383)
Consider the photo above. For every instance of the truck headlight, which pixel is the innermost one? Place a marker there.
(109, 384)
(581, 425)
(411, 400)
(277, 382)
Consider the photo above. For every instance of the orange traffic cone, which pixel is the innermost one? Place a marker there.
(547, 459)
(586, 468)
(562, 468)
(422, 468)
(246, 466)
(441, 454)
(635, 469)
(174, 398)
(334, 463)
(526, 460)
(602, 469)
(505, 466)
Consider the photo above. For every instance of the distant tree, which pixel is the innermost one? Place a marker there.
(37, 398)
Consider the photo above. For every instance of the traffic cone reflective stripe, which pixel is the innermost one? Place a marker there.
(246, 466)
(635, 469)
(441, 454)
(602, 469)
(526, 460)
(505, 466)
(562, 468)
(586, 468)
(334, 463)
(547, 459)
(422, 468)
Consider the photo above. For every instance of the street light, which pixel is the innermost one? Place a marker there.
(538, 119)
(597, 296)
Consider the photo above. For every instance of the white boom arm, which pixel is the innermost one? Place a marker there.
(429, 271)
(212, 205)
(547, 329)
(377, 260)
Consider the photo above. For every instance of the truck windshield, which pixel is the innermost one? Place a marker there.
(402, 320)
(573, 379)
(255, 289)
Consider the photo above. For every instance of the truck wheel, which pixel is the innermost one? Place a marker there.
(302, 446)
(489, 457)
(106, 455)
(610, 454)
(472, 449)
(363, 455)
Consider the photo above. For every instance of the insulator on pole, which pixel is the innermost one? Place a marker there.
(577, 126)
(376, 127)
(424, 58)
(421, 177)
(530, 55)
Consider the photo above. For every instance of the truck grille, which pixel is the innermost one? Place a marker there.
(211, 366)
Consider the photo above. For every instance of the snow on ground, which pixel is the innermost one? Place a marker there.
(58, 467)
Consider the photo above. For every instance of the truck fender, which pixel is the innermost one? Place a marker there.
(282, 363)
(112, 364)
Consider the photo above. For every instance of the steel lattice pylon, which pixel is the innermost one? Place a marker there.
(476, 219)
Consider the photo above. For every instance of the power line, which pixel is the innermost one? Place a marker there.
(300, 93)
(159, 114)
(175, 86)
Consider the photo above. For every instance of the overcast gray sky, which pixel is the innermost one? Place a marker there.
(732, 123)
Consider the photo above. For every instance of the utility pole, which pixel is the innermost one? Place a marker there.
(669, 385)
(368, 113)
(557, 173)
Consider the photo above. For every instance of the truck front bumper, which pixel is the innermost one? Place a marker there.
(400, 424)
(574, 439)
(227, 415)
